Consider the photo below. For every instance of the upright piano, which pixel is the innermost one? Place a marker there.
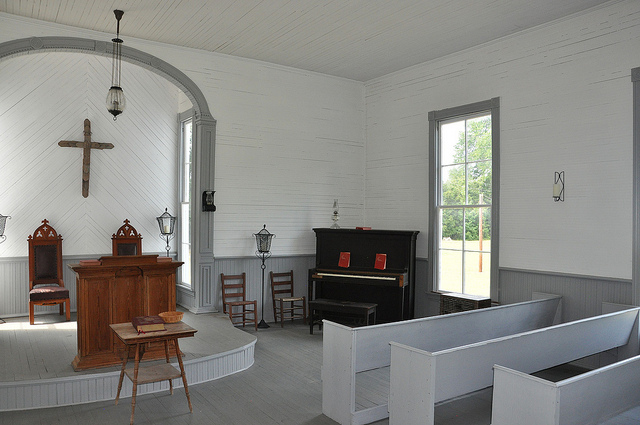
(392, 288)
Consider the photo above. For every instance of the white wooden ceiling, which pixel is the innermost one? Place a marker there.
(356, 39)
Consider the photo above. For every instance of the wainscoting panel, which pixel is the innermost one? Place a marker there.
(422, 299)
(252, 267)
(14, 283)
(582, 295)
(14, 286)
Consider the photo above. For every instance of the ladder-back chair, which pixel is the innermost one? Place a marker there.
(285, 305)
(126, 241)
(234, 300)
(46, 284)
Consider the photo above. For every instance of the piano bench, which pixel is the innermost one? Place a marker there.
(320, 306)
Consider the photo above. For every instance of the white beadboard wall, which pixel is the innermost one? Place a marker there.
(565, 105)
(45, 98)
(288, 143)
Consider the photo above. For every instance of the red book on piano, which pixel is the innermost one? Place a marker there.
(345, 259)
(381, 261)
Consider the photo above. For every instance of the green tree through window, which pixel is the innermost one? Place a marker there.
(474, 147)
(465, 205)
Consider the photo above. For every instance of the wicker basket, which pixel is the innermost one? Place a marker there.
(171, 316)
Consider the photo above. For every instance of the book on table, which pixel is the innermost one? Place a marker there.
(144, 324)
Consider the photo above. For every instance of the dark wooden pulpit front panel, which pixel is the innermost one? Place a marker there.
(116, 291)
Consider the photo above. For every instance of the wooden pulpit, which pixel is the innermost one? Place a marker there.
(116, 289)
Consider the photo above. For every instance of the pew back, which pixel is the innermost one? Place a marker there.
(586, 399)
(419, 378)
(441, 332)
(347, 351)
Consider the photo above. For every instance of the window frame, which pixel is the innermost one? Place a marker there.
(635, 273)
(182, 118)
(491, 106)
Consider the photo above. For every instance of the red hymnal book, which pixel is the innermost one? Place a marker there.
(363, 228)
(144, 324)
(381, 261)
(345, 259)
(90, 262)
(164, 259)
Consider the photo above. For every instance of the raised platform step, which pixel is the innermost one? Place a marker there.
(217, 350)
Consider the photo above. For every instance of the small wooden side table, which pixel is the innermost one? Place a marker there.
(161, 372)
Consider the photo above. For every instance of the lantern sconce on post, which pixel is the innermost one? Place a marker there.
(166, 222)
(263, 243)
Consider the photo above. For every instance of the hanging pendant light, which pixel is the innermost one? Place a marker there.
(115, 98)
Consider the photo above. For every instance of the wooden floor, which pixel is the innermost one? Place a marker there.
(46, 349)
(282, 387)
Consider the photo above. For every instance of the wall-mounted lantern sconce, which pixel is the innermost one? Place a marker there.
(207, 201)
(558, 186)
(3, 222)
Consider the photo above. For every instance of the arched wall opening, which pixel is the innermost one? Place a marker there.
(200, 297)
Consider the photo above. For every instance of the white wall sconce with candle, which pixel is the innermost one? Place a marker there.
(558, 186)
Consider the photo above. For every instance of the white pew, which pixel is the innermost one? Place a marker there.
(586, 399)
(347, 351)
(420, 379)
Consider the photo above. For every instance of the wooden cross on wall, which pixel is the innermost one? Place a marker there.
(87, 145)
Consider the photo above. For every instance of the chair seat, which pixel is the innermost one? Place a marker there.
(234, 303)
(234, 295)
(289, 299)
(45, 293)
(285, 304)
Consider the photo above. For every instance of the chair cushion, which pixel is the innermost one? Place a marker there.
(44, 293)
(46, 262)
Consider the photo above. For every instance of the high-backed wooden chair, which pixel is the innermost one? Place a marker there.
(285, 305)
(46, 285)
(234, 300)
(126, 241)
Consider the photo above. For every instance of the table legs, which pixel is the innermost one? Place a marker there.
(184, 376)
(166, 354)
(124, 365)
(135, 378)
(135, 382)
(138, 355)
